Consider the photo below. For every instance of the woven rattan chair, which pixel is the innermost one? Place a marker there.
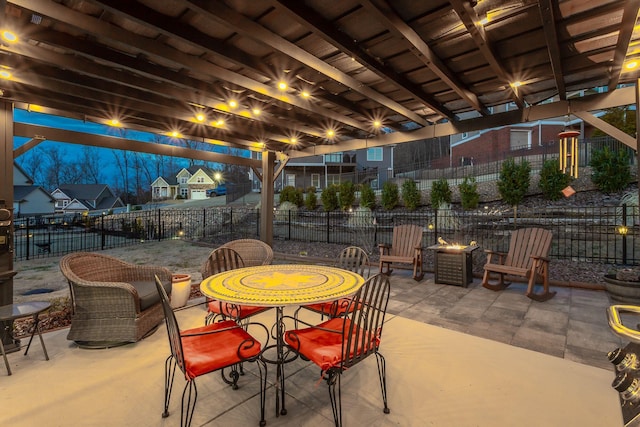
(253, 252)
(113, 302)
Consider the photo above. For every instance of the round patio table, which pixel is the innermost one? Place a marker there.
(280, 286)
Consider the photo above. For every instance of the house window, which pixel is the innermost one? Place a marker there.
(375, 185)
(200, 180)
(184, 192)
(291, 179)
(520, 139)
(315, 180)
(333, 158)
(183, 179)
(333, 179)
(374, 154)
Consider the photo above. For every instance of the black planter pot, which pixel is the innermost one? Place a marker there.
(622, 291)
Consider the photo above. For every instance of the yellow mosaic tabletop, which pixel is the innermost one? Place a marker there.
(280, 285)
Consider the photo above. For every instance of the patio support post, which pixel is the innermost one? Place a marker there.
(637, 133)
(266, 197)
(6, 202)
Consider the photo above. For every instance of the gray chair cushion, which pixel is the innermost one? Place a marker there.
(148, 293)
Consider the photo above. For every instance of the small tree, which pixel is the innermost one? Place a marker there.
(513, 182)
(611, 171)
(440, 193)
(389, 195)
(469, 193)
(347, 195)
(292, 194)
(329, 198)
(553, 180)
(410, 194)
(311, 200)
(367, 197)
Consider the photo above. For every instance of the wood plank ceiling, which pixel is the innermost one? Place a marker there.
(179, 66)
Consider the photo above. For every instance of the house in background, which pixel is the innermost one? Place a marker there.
(189, 183)
(78, 198)
(29, 199)
(373, 166)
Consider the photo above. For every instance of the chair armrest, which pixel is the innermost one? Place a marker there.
(384, 248)
(105, 299)
(490, 252)
(540, 258)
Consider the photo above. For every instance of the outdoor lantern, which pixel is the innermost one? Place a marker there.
(568, 142)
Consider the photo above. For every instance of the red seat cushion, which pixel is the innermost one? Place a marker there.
(228, 309)
(327, 308)
(209, 352)
(325, 348)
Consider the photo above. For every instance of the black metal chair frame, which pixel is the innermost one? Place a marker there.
(360, 338)
(176, 359)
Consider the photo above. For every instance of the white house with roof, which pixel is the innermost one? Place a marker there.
(78, 198)
(29, 199)
(189, 183)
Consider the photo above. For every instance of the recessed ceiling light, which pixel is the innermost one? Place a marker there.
(256, 111)
(200, 117)
(631, 65)
(9, 36)
(114, 122)
(282, 85)
(516, 84)
(5, 74)
(305, 94)
(233, 103)
(331, 133)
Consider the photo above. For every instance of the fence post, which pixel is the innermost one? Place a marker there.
(27, 236)
(623, 232)
(258, 222)
(231, 219)
(102, 235)
(204, 222)
(328, 227)
(435, 226)
(159, 226)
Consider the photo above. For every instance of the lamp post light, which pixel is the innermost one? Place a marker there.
(623, 230)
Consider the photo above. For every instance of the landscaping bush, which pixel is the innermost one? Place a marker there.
(410, 194)
(469, 193)
(311, 200)
(611, 171)
(292, 194)
(440, 193)
(514, 180)
(367, 196)
(329, 198)
(553, 180)
(389, 195)
(347, 195)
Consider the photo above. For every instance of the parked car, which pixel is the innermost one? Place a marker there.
(220, 190)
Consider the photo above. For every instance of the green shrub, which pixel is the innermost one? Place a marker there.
(553, 180)
(410, 194)
(469, 193)
(440, 193)
(329, 198)
(611, 171)
(514, 180)
(311, 200)
(292, 194)
(367, 197)
(389, 195)
(347, 195)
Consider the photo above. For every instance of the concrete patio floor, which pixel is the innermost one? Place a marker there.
(455, 357)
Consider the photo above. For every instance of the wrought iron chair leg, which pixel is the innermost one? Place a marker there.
(169, 374)
(232, 379)
(333, 380)
(262, 368)
(382, 375)
(187, 415)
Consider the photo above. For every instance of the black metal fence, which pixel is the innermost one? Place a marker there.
(590, 234)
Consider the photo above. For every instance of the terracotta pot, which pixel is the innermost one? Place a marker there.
(622, 291)
(180, 290)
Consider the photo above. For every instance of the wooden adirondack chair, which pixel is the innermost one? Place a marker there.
(406, 248)
(527, 257)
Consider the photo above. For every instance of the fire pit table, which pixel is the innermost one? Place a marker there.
(453, 264)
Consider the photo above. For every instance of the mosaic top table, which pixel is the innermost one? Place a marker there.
(280, 286)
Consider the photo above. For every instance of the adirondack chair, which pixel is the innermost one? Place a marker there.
(527, 257)
(406, 248)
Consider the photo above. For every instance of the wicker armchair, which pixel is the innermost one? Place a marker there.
(253, 252)
(113, 302)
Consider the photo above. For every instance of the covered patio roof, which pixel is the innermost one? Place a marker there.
(296, 78)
